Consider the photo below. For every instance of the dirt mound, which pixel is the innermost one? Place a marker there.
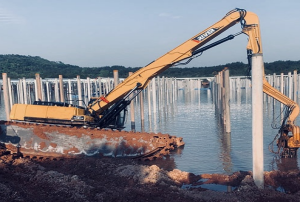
(109, 179)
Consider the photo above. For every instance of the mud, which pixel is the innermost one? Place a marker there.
(115, 179)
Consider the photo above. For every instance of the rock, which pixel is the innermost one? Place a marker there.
(142, 174)
(248, 180)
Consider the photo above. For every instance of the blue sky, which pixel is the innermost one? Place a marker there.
(95, 33)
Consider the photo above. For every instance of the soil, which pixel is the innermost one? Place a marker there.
(112, 179)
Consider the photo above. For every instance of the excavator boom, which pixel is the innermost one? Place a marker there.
(250, 26)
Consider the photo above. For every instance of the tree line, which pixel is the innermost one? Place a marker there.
(19, 66)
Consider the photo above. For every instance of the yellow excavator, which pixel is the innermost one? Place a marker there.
(108, 111)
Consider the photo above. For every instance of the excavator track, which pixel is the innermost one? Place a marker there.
(39, 141)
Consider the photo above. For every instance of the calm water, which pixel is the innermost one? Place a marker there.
(207, 149)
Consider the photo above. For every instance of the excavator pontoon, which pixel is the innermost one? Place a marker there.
(48, 128)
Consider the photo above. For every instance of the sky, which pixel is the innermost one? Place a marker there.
(133, 33)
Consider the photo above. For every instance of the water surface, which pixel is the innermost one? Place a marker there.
(207, 148)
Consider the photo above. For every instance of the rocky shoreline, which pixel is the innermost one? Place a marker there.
(111, 179)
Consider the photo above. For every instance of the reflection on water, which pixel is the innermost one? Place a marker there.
(207, 148)
(286, 164)
(225, 145)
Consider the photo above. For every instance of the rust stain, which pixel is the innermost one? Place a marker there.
(38, 131)
(29, 142)
(54, 145)
(126, 141)
(11, 147)
(42, 145)
(72, 150)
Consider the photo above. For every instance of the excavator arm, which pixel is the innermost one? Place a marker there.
(289, 140)
(193, 46)
(105, 111)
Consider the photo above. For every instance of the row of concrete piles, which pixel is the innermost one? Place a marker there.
(221, 97)
(161, 93)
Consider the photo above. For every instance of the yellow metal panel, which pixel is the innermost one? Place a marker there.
(79, 111)
(17, 112)
(65, 113)
(38, 111)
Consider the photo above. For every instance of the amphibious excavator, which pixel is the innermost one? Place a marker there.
(51, 128)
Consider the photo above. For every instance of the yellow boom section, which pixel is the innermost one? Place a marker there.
(182, 52)
(293, 106)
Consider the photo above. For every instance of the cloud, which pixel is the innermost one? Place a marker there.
(167, 15)
(9, 18)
